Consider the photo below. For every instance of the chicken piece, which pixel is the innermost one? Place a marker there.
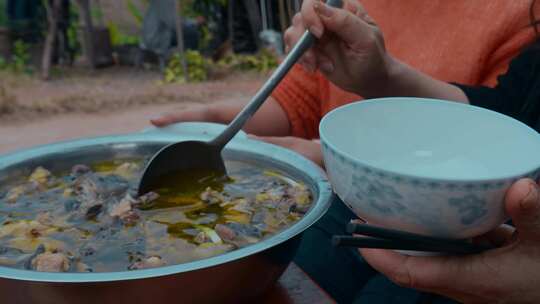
(130, 218)
(51, 262)
(86, 190)
(146, 199)
(225, 233)
(82, 267)
(238, 234)
(122, 207)
(111, 185)
(40, 176)
(91, 189)
(149, 262)
(300, 194)
(68, 192)
(14, 193)
(202, 238)
(272, 195)
(124, 210)
(270, 221)
(25, 229)
(79, 170)
(210, 196)
(45, 218)
(91, 193)
(127, 170)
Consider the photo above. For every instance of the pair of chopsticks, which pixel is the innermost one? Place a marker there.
(383, 238)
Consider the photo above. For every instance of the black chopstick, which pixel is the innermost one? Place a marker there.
(395, 239)
(369, 242)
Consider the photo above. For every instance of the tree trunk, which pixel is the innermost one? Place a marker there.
(53, 13)
(283, 16)
(230, 14)
(88, 34)
(180, 38)
(255, 19)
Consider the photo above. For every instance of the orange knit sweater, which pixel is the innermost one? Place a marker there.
(464, 41)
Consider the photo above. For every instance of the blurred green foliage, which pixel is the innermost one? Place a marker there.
(135, 11)
(119, 38)
(197, 68)
(3, 13)
(262, 62)
(73, 30)
(20, 59)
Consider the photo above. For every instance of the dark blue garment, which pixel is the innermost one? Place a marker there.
(342, 272)
(380, 290)
(517, 93)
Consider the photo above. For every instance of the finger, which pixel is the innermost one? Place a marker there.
(325, 63)
(291, 37)
(183, 116)
(309, 61)
(293, 33)
(401, 269)
(352, 7)
(297, 20)
(522, 203)
(363, 14)
(168, 119)
(311, 19)
(356, 8)
(430, 273)
(501, 236)
(347, 26)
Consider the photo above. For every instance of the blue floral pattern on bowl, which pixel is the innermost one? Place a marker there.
(446, 209)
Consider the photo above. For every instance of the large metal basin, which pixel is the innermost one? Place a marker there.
(243, 275)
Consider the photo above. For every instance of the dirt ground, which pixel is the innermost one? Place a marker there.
(81, 103)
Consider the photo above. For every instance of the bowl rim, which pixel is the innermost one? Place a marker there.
(288, 157)
(327, 143)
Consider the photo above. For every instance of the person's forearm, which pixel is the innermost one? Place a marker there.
(402, 80)
(270, 119)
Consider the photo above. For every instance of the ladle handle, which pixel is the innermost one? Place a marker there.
(305, 42)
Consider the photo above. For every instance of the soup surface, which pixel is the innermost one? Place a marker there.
(91, 220)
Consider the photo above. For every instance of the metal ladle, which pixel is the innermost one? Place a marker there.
(203, 155)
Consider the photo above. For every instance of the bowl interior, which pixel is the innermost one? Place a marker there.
(431, 138)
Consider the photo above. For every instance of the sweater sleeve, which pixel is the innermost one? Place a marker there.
(299, 96)
(513, 91)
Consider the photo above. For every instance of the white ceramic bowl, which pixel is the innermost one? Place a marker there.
(427, 166)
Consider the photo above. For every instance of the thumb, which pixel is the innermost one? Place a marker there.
(522, 203)
(348, 26)
(165, 120)
(182, 116)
